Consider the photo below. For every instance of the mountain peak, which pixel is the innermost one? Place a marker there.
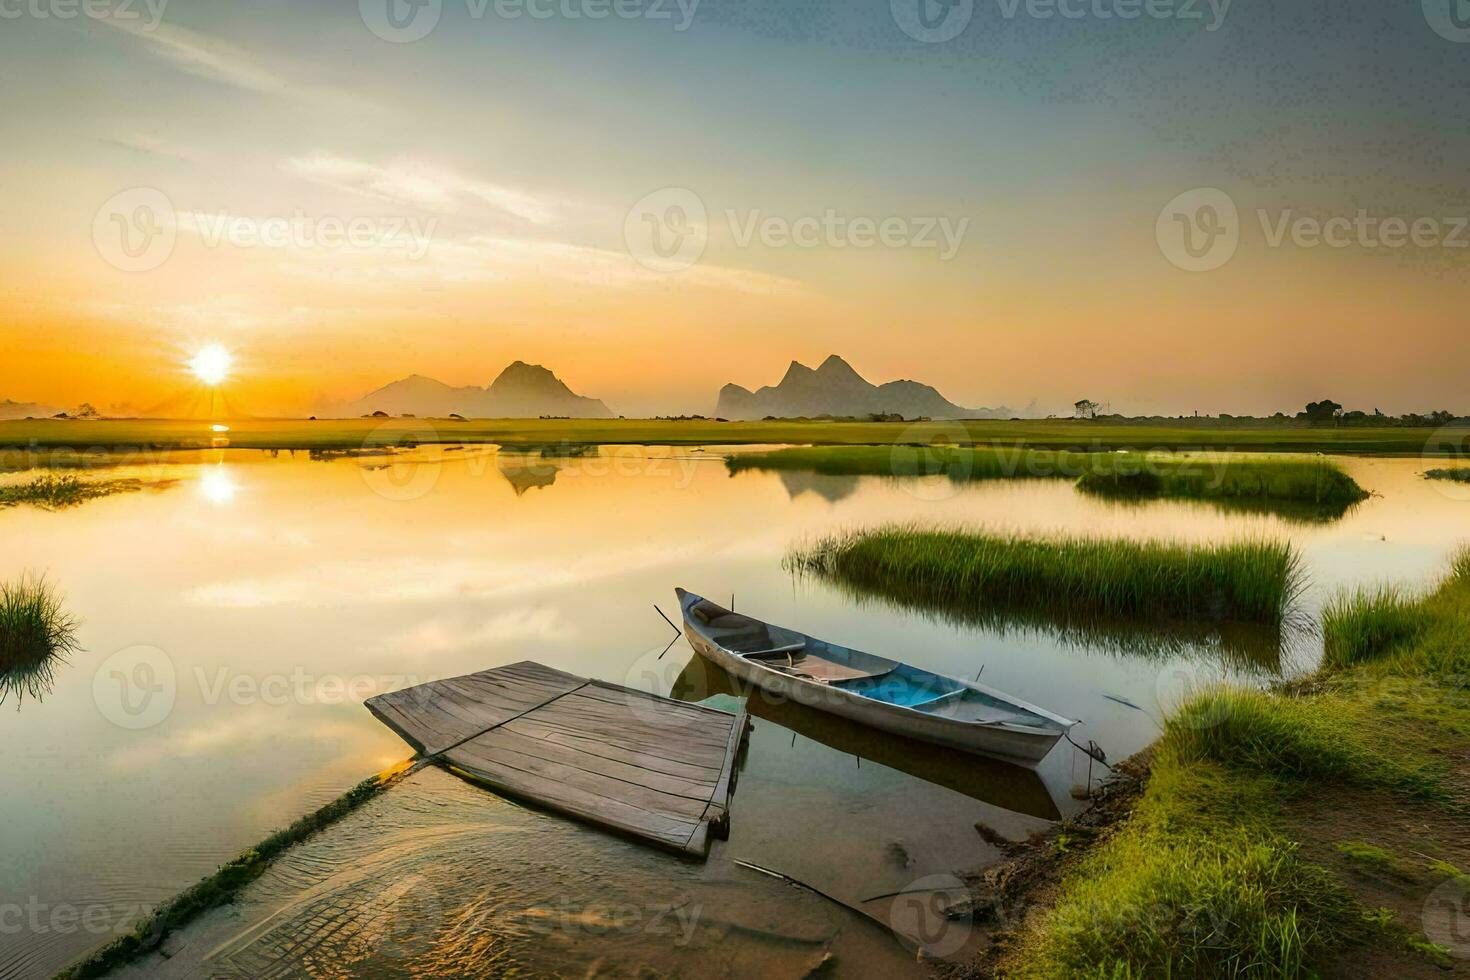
(836, 389)
(520, 391)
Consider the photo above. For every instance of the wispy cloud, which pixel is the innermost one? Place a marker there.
(425, 186)
(199, 54)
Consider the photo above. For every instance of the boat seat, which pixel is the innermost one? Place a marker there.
(781, 651)
(826, 671)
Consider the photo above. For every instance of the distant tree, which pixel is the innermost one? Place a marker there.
(1324, 411)
(1441, 418)
(1086, 409)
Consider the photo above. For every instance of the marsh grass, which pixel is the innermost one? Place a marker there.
(1319, 483)
(1390, 631)
(1459, 474)
(977, 573)
(53, 492)
(36, 635)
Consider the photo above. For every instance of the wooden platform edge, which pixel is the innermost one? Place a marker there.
(717, 813)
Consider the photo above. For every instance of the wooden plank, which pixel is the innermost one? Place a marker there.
(534, 728)
(588, 806)
(656, 769)
(482, 753)
(434, 716)
(700, 788)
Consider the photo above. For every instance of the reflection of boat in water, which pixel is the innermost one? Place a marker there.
(869, 689)
(1002, 784)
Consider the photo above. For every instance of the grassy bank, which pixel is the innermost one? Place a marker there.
(36, 634)
(1459, 474)
(222, 886)
(972, 572)
(54, 492)
(1289, 834)
(145, 434)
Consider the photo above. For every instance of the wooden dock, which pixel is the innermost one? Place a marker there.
(649, 767)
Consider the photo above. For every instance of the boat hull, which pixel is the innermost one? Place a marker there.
(1012, 745)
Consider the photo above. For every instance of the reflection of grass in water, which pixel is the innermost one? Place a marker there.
(20, 460)
(1459, 474)
(54, 492)
(36, 635)
(959, 464)
(977, 573)
(1292, 511)
(1250, 648)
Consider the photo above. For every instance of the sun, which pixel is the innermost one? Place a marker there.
(211, 365)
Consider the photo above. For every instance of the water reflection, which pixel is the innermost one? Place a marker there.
(830, 488)
(1010, 787)
(526, 471)
(217, 484)
(1291, 511)
(1252, 649)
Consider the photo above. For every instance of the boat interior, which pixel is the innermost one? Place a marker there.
(851, 670)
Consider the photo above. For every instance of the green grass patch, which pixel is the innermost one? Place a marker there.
(1196, 884)
(1200, 879)
(1372, 858)
(36, 635)
(1109, 579)
(1299, 738)
(1393, 633)
(53, 492)
(222, 886)
(1459, 474)
(1319, 485)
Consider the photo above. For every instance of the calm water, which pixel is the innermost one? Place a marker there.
(233, 624)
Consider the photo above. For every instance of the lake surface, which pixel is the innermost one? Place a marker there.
(234, 622)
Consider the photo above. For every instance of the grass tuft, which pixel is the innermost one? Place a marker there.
(969, 572)
(1288, 737)
(1372, 858)
(1364, 625)
(36, 634)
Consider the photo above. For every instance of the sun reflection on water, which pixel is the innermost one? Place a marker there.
(217, 484)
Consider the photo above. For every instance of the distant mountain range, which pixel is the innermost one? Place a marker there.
(20, 410)
(521, 391)
(836, 389)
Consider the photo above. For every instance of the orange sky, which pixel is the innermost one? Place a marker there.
(501, 218)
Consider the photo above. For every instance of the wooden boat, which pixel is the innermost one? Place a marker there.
(869, 689)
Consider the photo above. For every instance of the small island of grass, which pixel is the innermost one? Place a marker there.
(36, 634)
(969, 572)
(53, 492)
